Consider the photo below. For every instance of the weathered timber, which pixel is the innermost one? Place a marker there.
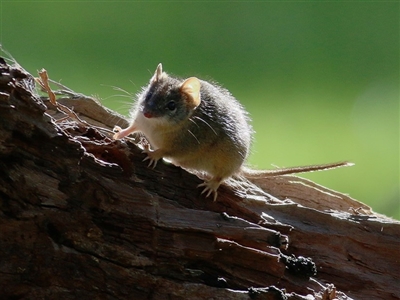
(82, 217)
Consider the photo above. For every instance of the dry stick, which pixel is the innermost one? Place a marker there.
(43, 81)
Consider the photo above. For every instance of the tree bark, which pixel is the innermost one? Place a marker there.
(82, 217)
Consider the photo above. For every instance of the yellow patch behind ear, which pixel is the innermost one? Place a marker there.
(191, 88)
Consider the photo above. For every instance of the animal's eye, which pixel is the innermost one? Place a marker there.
(149, 95)
(171, 105)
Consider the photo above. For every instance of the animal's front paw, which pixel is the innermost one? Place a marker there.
(152, 156)
(117, 133)
(121, 133)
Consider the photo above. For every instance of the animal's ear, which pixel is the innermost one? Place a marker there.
(191, 88)
(157, 74)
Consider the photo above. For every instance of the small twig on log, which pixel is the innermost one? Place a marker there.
(43, 81)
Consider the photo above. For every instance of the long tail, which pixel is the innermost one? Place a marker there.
(294, 170)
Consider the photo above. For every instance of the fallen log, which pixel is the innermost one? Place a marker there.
(83, 217)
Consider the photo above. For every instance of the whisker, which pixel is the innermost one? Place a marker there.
(194, 122)
(194, 136)
(116, 88)
(122, 90)
(206, 124)
(134, 84)
(117, 95)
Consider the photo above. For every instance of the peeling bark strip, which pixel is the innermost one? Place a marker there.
(83, 218)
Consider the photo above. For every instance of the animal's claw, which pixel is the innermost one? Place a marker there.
(152, 162)
(116, 131)
(117, 128)
(210, 187)
(120, 133)
(152, 156)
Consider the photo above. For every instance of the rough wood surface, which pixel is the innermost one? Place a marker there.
(82, 217)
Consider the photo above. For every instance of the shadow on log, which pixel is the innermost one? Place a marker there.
(82, 217)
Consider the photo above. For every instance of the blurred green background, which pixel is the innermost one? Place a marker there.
(320, 79)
